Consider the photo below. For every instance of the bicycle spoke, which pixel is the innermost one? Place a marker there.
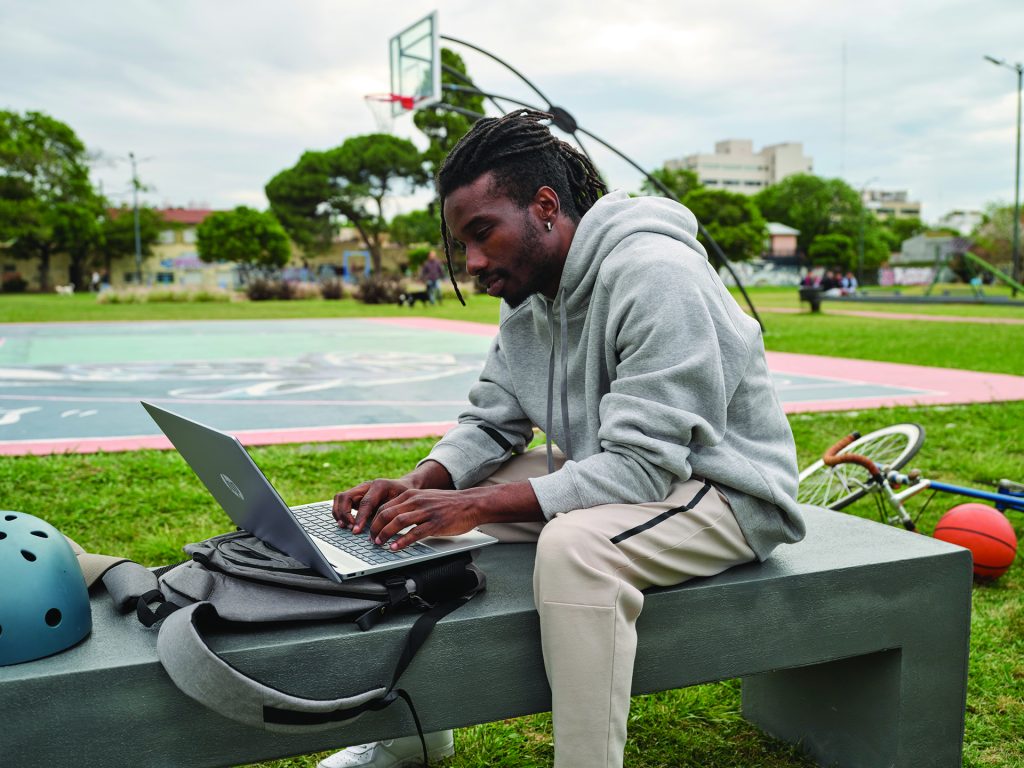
(835, 487)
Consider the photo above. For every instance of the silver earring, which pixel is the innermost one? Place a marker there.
(549, 226)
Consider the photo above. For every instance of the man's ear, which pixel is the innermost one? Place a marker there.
(546, 203)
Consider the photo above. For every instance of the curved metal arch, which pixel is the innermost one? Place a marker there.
(566, 122)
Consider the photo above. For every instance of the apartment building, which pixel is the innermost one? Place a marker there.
(735, 166)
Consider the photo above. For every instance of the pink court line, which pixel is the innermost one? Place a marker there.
(436, 324)
(943, 386)
(220, 401)
(253, 437)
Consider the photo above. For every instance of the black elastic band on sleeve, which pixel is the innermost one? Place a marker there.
(497, 437)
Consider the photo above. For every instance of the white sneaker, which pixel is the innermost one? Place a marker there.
(405, 752)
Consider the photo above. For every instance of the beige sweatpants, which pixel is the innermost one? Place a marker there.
(590, 569)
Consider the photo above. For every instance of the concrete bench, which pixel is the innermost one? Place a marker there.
(813, 296)
(853, 643)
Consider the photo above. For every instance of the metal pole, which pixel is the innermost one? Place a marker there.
(138, 236)
(1019, 69)
(1016, 192)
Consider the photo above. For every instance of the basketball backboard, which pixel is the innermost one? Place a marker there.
(415, 56)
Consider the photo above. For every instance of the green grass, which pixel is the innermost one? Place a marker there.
(51, 308)
(146, 504)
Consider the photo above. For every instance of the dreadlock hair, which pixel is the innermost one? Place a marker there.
(524, 156)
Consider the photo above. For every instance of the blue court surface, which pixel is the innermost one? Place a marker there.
(77, 386)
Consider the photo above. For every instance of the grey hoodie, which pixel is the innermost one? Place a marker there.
(659, 377)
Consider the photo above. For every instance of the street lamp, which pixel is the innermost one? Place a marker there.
(1019, 69)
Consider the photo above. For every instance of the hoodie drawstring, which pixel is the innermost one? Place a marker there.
(563, 337)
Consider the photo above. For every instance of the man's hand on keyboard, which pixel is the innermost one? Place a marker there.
(430, 512)
(355, 507)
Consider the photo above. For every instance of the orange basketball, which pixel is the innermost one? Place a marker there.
(983, 530)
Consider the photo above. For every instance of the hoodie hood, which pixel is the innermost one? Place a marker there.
(607, 226)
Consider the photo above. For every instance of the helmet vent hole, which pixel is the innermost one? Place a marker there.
(53, 617)
(28, 555)
(2, 535)
(40, 534)
(10, 517)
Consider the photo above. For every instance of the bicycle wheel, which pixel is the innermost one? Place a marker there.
(836, 487)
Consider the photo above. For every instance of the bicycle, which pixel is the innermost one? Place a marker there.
(859, 465)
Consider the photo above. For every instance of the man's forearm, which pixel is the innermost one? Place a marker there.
(505, 503)
(508, 503)
(430, 474)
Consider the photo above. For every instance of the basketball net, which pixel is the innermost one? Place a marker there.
(382, 107)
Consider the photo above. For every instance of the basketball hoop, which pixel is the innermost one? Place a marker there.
(384, 107)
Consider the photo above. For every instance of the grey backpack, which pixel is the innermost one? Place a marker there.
(236, 577)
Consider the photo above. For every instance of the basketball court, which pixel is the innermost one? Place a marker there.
(76, 387)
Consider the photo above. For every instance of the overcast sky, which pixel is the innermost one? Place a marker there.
(214, 98)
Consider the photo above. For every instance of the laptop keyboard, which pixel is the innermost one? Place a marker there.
(318, 520)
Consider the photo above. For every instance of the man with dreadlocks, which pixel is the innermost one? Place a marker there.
(617, 338)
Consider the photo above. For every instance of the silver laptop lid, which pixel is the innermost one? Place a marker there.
(240, 487)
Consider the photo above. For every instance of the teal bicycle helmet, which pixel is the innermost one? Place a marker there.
(44, 603)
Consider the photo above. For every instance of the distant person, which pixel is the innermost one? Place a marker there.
(830, 284)
(94, 282)
(850, 283)
(432, 273)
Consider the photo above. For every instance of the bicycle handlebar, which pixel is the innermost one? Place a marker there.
(832, 456)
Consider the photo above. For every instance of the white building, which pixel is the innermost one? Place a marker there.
(736, 167)
(963, 222)
(890, 203)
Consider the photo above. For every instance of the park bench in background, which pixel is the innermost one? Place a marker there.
(811, 295)
(853, 643)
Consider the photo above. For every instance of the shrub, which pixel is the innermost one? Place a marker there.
(163, 296)
(304, 291)
(332, 289)
(380, 289)
(416, 258)
(262, 289)
(13, 282)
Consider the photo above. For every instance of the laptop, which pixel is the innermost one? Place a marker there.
(308, 533)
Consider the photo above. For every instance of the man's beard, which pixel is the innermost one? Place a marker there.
(529, 260)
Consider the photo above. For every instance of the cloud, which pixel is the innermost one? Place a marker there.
(221, 96)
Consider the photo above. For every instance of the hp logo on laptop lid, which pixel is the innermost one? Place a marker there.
(231, 486)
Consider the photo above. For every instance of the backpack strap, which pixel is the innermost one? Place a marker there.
(204, 676)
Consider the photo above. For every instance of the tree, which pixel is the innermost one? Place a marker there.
(416, 227)
(679, 181)
(443, 127)
(993, 237)
(813, 205)
(117, 234)
(245, 236)
(903, 229)
(732, 219)
(834, 250)
(349, 182)
(47, 204)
